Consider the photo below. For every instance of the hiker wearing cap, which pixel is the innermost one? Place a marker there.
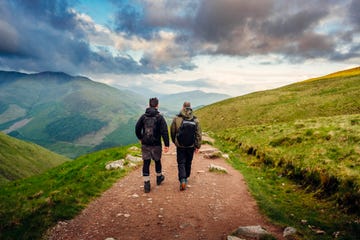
(149, 129)
(186, 135)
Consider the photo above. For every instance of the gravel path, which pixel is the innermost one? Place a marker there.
(213, 206)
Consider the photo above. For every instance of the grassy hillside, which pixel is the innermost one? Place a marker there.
(321, 153)
(335, 94)
(66, 114)
(30, 206)
(308, 133)
(344, 73)
(19, 159)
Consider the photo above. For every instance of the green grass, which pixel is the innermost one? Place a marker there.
(298, 147)
(19, 159)
(308, 99)
(65, 130)
(322, 153)
(302, 170)
(53, 105)
(67, 149)
(288, 204)
(30, 206)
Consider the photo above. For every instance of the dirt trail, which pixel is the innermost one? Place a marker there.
(212, 207)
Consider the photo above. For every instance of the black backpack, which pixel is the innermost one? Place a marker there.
(149, 130)
(187, 133)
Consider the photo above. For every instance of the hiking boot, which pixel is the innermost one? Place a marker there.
(147, 186)
(182, 185)
(159, 179)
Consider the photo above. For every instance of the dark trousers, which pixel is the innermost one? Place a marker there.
(148, 153)
(146, 167)
(184, 159)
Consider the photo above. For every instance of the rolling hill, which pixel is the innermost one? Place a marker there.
(29, 206)
(329, 138)
(307, 131)
(19, 159)
(68, 115)
(73, 115)
(334, 94)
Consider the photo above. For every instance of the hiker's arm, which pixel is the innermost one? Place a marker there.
(173, 130)
(138, 128)
(198, 136)
(165, 132)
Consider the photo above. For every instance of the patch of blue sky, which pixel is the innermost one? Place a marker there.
(101, 11)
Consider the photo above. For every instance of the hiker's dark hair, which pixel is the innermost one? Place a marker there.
(187, 105)
(153, 102)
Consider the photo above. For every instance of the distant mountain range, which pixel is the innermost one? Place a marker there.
(73, 115)
(170, 104)
(197, 98)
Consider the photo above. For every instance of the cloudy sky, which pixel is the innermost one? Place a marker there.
(227, 46)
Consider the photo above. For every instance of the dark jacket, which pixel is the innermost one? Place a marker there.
(176, 123)
(161, 129)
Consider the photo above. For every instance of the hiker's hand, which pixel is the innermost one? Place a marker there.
(196, 150)
(166, 149)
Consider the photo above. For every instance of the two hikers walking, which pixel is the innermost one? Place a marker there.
(151, 127)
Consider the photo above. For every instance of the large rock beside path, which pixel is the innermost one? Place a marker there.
(256, 232)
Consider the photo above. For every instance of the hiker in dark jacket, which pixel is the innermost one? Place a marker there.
(149, 129)
(185, 154)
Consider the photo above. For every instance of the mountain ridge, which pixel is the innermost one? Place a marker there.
(46, 98)
(73, 115)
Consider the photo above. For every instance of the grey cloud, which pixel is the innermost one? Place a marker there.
(105, 63)
(354, 52)
(45, 36)
(293, 25)
(145, 19)
(8, 38)
(128, 19)
(310, 45)
(150, 64)
(236, 28)
(243, 28)
(217, 20)
(354, 13)
(54, 12)
(174, 56)
(53, 39)
(204, 83)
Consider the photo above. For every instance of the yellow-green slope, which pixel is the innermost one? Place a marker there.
(19, 159)
(334, 94)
